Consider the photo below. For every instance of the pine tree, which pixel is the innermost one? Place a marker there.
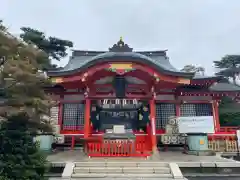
(23, 104)
(54, 47)
(229, 67)
(22, 82)
(20, 158)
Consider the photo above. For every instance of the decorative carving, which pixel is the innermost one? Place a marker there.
(120, 68)
(120, 47)
(57, 80)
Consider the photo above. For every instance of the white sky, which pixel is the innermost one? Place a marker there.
(194, 31)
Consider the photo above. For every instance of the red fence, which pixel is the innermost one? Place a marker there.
(97, 147)
(228, 130)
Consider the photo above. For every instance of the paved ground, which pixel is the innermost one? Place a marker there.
(213, 178)
(171, 156)
(195, 178)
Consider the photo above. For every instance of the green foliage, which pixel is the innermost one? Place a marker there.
(229, 112)
(54, 47)
(22, 83)
(230, 119)
(19, 155)
(194, 69)
(229, 66)
(2, 27)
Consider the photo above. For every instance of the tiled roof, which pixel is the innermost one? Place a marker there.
(224, 87)
(160, 62)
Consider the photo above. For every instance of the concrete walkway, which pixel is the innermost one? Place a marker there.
(171, 156)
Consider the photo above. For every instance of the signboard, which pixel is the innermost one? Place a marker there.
(119, 129)
(195, 124)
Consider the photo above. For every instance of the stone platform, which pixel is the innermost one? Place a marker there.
(170, 156)
(164, 165)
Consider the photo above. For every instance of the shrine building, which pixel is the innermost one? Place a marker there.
(135, 92)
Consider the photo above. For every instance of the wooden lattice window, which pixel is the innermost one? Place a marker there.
(163, 112)
(204, 109)
(73, 116)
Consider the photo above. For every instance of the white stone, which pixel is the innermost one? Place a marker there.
(175, 170)
(228, 164)
(59, 139)
(208, 164)
(68, 170)
(189, 164)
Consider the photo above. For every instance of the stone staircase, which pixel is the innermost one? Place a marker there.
(121, 170)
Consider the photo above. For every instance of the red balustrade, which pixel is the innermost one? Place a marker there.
(97, 147)
(228, 130)
(214, 137)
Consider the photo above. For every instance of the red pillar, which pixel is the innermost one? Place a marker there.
(153, 124)
(216, 114)
(178, 110)
(87, 118)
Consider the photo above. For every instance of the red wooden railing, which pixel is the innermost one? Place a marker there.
(97, 147)
(228, 130)
(70, 129)
(213, 137)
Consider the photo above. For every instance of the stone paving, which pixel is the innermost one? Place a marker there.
(168, 157)
(213, 178)
(123, 179)
(171, 156)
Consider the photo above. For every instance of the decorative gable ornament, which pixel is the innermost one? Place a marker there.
(120, 46)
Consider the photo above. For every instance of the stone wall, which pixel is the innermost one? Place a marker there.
(58, 138)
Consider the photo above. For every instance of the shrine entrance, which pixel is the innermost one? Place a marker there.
(118, 120)
(109, 118)
(119, 112)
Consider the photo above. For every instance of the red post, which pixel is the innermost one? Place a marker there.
(178, 110)
(153, 124)
(87, 118)
(217, 116)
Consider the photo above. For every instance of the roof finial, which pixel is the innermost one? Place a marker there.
(121, 38)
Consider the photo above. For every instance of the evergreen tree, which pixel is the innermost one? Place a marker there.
(229, 67)
(23, 104)
(55, 48)
(22, 81)
(20, 158)
(193, 69)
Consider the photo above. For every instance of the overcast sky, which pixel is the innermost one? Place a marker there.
(194, 31)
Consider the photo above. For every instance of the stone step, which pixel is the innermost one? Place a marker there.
(146, 170)
(97, 170)
(113, 175)
(121, 164)
(119, 170)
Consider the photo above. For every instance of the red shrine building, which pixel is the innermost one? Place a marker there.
(140, 90)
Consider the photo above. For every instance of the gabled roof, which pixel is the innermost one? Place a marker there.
(82, 60)
(161, 63)
(224, 87)
(198, 76)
